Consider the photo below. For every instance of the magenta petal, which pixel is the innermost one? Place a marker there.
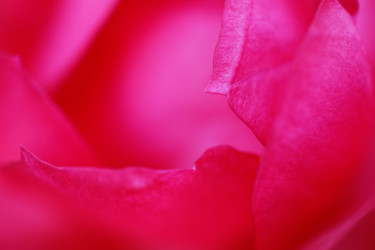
(320, 134)
(142, 81)
(360, 235)
(365, 24)
(257, 41)
(350, 5)
(207, 206)
(34, 216)
(355, 230)
(29, 118)
(50, 36)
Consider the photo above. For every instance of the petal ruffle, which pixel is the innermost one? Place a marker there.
(207, 206)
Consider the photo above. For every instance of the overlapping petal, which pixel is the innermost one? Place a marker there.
(34, 216)
(137, 95)
(320, 136)
(206, 207)
(257, 42)
(311, 104)
(29, 117)
(50, 36)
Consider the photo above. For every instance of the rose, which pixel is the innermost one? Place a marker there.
(43, 130)
(119, 141)
(101, 190)
(254, 80)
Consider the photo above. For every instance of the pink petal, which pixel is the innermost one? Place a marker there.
(137, 96)
(354, 230)
(35, 217)
(207, 206)
(29, 118)
(50, 36)
(257, 38)
(361, 235)
(365, 24)
(355, 223)
(320, 135)
(350, 5)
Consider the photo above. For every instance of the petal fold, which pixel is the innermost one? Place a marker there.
(30, 118)
(50, 36)
(320, 136)
(207, 206)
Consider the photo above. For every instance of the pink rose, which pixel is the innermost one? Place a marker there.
(120, 84)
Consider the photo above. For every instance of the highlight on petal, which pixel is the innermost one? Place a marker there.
(137, 95)
(320, 136)
(208, 206)
(28, 117)
(355, 223)
(360, 235)
(365, 25)
(50, 36)
(354, 230)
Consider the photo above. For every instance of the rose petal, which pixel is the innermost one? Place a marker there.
(50, 36)
(355, 223)
(33, 216)
(361, 235)
(350, 5)
(137, 96)
(365, 24)
(320, 135)
(257, 38)
(353, 231)
(207, 207)
(28, 117)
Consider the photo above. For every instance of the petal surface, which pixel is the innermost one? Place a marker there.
(258, 40)
(50, 36)
(30, 118)
(257, 44)
(34, 216)
(365, 25)
(320, 136)
(137, 95)
(256, 36)
(208, 207)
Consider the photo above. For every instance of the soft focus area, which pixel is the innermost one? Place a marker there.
(187, 124)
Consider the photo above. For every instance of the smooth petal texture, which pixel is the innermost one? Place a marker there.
(34, 217)
(320, 135)
(365, 24)
(137, 96)
(207, 207)
(28, 117)
(360, 235)
(354, 230)
(50, 36)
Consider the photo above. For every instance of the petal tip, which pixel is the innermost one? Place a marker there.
(217, 88)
